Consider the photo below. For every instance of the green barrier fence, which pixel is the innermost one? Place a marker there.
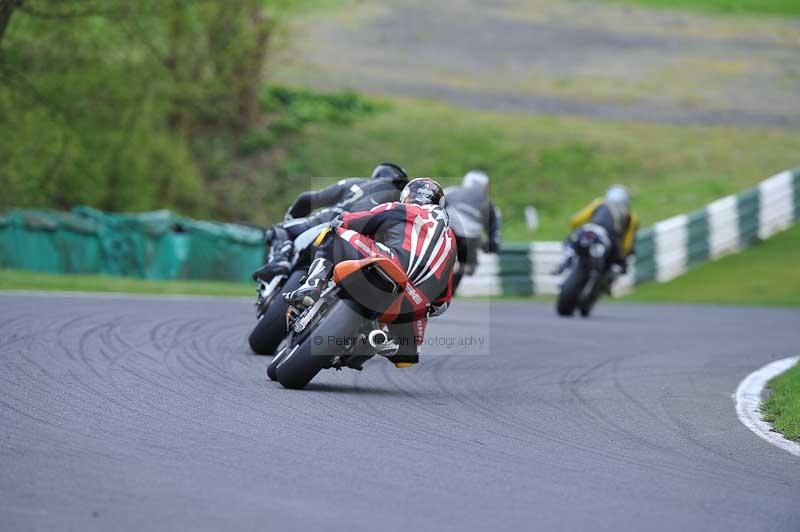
(515, 270)
(163, 245)
(796, 193)
(748, 207)
(698, 243)
(48, 242)
(153, 245)
(645, 256)
(150, 245)
(222, 251)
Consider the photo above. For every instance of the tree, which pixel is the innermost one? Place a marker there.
(110, 102)
(6, 10)
(216, 53)
(142, 104)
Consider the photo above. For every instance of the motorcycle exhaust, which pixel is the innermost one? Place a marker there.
(377, 339)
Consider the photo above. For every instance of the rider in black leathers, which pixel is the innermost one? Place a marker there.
(413, 233)
(347, 195)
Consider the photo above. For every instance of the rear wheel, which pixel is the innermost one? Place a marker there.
(317, 347)
(271, 327)
(571, 291)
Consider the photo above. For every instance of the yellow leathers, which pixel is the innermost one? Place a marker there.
(625, 227)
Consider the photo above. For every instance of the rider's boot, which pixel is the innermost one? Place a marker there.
(281, 249)
(567, 257)
(308, 293)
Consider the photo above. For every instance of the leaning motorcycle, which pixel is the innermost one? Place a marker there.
(270, 306)
(346, 326)
(586, 258)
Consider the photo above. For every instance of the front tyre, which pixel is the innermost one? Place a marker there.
(317, 347)
(280, 354)
(571, 292)
(587, 306)
(271, 327)
(457, 276)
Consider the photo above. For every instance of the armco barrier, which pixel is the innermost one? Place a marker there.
(664, 251)
(162, 245)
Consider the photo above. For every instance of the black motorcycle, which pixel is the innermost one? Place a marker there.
(347, 325)
(586, 259)
(270, 305)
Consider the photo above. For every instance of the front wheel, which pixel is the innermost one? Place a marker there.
(271, 327)
(280, 354)
(586, 307)
(318, 346)
(571, 291)
(587, 304)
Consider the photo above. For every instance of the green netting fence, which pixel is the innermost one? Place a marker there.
(152, 245)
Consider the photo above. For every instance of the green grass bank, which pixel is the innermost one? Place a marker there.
(730, 7)
(556, 164)
(23, 280)
(783, 406)
(765, 274)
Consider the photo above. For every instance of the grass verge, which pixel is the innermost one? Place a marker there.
(782, 408)
(556, 164)
(766, 274)
(23, 280)
(756, 7)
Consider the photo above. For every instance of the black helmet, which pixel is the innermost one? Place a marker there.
(423, 191)
(389, 170)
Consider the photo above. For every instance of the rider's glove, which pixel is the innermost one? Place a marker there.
(437, 310)
(490, 247)
(567, 257)
(301, 207)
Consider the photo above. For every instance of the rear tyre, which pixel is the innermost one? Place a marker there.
(571, 292)
(271, 327)
(304, 360)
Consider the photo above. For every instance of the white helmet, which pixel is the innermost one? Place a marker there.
(618, 196)
(476, 178)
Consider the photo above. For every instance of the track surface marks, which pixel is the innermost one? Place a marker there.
(147, 414)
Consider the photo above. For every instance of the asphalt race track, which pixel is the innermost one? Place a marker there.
(152, 414)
